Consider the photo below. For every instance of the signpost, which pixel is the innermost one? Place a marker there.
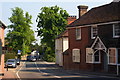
(19, 52)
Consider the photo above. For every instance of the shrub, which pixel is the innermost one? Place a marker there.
(10, 56)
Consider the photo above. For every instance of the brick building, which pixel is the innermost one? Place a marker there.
(2, 28)
(61, 43)
(94, 39)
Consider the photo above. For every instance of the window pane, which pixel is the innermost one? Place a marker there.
(117, 29)
(78, 33)
(112, 56)
(89, 55)
(94, 31)
(76, 55)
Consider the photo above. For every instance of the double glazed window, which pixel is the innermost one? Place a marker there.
(116, 30)
(94, 32)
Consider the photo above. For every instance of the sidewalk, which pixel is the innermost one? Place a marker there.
(8, 75)
(80, 72)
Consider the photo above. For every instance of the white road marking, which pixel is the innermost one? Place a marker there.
(38, 68)
(44, 72)
(18, 71)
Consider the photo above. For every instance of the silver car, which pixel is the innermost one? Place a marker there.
(11, 63)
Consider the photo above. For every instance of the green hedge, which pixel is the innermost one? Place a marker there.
(10, 56)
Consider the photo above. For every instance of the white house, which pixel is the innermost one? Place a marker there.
(61, 45)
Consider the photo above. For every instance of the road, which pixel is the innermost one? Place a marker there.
(42, 70)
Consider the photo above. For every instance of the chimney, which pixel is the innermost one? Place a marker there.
(82, 10)
(116, 0)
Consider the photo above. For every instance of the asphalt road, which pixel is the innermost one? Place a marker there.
(42, 70)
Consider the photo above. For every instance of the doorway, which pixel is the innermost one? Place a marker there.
(101, 61)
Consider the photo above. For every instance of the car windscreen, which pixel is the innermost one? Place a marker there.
(10, 61)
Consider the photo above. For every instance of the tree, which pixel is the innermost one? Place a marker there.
(51, 22)
(20, 36)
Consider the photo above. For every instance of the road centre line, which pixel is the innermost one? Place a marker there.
(18, 71)
(45, 73)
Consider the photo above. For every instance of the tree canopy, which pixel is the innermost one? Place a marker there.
(51, 22)
(20, 35)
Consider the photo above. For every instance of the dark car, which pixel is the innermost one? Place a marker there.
(28, 58)
(18, 61)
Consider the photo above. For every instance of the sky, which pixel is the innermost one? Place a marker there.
(33, 8)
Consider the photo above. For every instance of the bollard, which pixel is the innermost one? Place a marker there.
(7, 67)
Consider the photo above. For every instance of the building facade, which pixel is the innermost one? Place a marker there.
(94, 40)
(2, 28)
(61, 43)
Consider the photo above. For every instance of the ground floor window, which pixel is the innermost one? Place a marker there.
(89, 55)
(112, 55)
(76, 55)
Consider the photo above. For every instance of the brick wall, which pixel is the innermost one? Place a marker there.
(80, 44)
(2, 54)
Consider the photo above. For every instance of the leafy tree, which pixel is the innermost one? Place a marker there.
(20, 35)
(51, 22)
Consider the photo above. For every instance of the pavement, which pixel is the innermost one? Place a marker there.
(10, 74)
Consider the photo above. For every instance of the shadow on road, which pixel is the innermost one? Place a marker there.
(65, 79)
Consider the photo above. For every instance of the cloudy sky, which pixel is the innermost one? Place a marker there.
(33, 7)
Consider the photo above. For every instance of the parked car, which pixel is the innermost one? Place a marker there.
(18, 61)
(11, 63)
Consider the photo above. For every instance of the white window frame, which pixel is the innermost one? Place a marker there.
(76, 56)
(78, 38)
(109, 57)
(92, 37)
(89, 51)
(115, 36)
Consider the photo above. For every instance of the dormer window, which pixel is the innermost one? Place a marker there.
(116, 30)
(94, 32)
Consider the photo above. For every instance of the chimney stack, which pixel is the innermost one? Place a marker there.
(82, 10)
(116, 0)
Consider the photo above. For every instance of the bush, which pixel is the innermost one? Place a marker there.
(49, 57)
(10, 56)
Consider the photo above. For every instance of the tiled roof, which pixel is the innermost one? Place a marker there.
(63, 34)
(106, 13)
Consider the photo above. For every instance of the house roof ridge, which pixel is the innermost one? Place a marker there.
(94, 15)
